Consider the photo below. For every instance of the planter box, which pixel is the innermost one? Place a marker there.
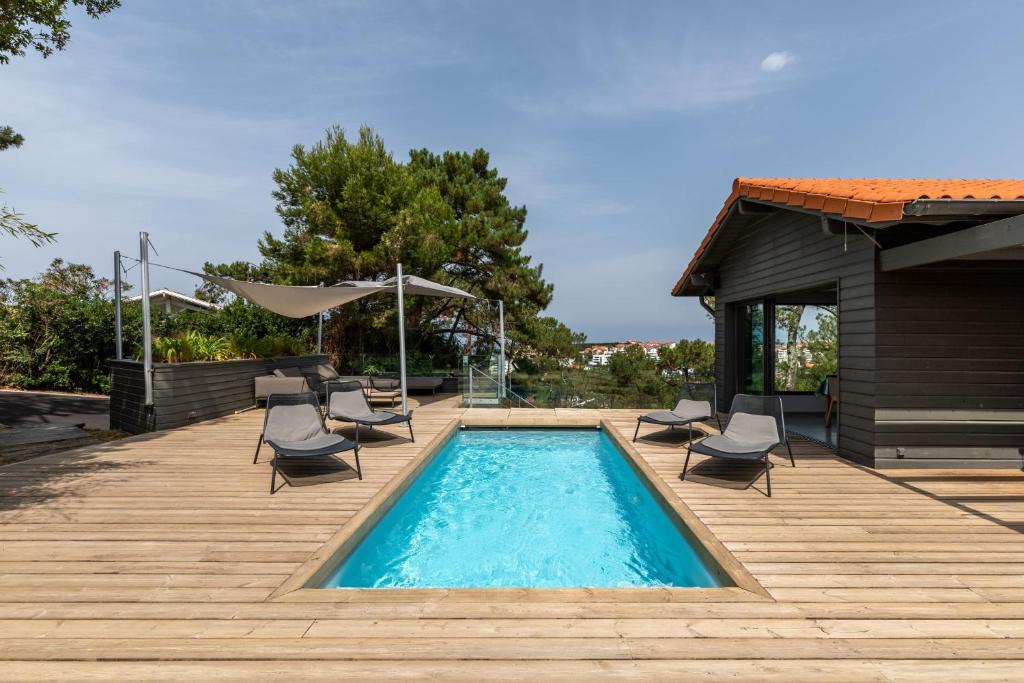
(185, 393)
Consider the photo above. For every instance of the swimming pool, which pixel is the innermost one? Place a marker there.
(539, 508)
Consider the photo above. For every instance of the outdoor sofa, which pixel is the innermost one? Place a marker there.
(314, 377)
(413, 383)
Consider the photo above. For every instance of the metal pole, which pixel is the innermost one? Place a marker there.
(501, 357)
(401, 339)
(117, 306)
(147, 345)
(319, 328)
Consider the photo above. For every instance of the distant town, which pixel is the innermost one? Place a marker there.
(600, 354)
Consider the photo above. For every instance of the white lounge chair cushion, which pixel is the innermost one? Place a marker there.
(351, 404)
(291, 424)
(689, 410)
(746, 433)
(326, 372)
(319, 444)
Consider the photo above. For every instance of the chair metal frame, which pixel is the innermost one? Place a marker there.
(350, 386)
(304, 398)
(687, 391)
(751, 405)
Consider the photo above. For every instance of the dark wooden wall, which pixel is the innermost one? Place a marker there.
(788, 251)
(950, 365)
(184, 393)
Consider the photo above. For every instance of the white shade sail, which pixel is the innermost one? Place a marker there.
(417, 285)
(293, 302)
(299, 302)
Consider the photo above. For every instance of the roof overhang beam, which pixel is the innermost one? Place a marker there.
(961, 208)
(1007, 233)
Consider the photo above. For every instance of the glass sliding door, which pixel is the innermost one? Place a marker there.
(806, 346)
(750, 348)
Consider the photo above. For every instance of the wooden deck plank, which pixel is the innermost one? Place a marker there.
(156, 557)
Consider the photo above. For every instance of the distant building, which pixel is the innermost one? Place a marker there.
(600, 354)
(176, 302)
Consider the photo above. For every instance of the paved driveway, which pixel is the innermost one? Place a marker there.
(44, 407)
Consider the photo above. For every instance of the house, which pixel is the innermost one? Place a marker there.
(926, 278)
(599, 355)
(175, 302)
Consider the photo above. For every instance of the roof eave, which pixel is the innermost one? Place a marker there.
(931, 208)
(683, 284)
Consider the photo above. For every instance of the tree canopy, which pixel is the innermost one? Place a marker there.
(352, 211)
(42, 25)
(12, 222)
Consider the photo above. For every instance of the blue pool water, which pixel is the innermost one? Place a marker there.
(525, 508)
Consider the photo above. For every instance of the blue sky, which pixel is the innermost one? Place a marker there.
(619, 125)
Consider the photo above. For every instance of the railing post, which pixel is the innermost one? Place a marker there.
(319, 329)
(401, 338)
(147, 331)
(118, 351)
(501, 341)
(470, 369)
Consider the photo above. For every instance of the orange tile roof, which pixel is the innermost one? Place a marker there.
(868, 199)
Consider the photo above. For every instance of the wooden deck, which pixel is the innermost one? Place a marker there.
(156, 557)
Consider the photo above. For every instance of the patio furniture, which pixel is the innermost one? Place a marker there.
(263, 387)
(697, 402)
(756, 426)
(346, 402)
(384, 389)
(413, 382)
(317, 375)
(294, 428)
(424, 383)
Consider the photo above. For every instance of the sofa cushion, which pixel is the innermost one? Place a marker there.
(288, 372)
(326, 372)
(424, 382)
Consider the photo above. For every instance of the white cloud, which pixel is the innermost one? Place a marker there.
(777, 61)
(671, 70)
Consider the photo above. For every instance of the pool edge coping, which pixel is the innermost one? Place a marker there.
(297, 586)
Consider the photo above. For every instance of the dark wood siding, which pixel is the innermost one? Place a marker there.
(788, 251)
(184, 393)
(950, 365)
(127, 397)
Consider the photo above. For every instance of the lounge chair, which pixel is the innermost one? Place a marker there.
(294, 428)
(316, 375)
(384, 389)
(347, 402)
(756, 426)
(696, 403)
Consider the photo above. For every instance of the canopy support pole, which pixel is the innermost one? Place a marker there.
(319, 328)
(117, 306)
(147, 346)
(501, 341)
(401, 339)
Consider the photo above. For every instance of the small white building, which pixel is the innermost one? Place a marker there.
(176, 302)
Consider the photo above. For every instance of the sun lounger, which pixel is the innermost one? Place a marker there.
(696, 403)
(347, 402)
(294, 428)
(756, 426)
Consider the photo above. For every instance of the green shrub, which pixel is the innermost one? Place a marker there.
(57, 331)
(191, 345)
